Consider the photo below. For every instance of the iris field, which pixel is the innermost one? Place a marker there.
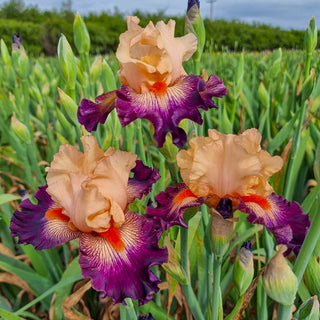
(209, 274)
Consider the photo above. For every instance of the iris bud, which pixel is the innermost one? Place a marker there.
(81, 35)
(311, 36)
(20, 129)
(69, 107)
(243, 268)
(221, 228)
(263, 95)
(194, 24)
(96, 69)
(308, 85)
(279, 281)
(67, 62)
(5, 54)
(20, 59)
(309, 310)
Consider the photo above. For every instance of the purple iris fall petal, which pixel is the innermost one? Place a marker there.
(285, 219)
(122, 272)
(90, 113)
(142, 181)
(166, 110)
(31, 226)
(171, 205)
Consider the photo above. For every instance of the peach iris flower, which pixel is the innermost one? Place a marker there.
(227, 165)
(152, 54)
(155, 85)
(229, 172)
(87, 197)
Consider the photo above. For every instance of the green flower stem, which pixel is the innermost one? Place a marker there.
(172, 166)
(233, 111)
(130, 309)
(308, 65)
(303, 258)
(187, 289)
(141, 144)
(123, 312)
(216, 288)
(292, 172)
(197, 66)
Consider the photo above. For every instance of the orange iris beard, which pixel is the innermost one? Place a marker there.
(112, 235)
(183, 195)
(56, 213)
(159, 88)
(261, 201)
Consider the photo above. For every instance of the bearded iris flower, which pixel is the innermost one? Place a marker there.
(155, 85)
(233, 169)
(86, 197)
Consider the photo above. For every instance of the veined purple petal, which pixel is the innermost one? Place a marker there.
(32, 227)
(171, 205)
(124, 271)
(165, 111)
(214, 88)
(284, 219)
(142, 181)
(90, 113)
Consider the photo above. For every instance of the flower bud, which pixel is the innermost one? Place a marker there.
(263, 95)
(279, 281)
(81, 35)
(108, 79)
(308, 85)
(67, 62)
(311, 36)
(243, 268)
(195, 25)
(312, 276)
(309, 310)
(221, 228)
(96, 69)
(276, 63)
(19, 56)
(69, 107)
(173, 266)
(20, 129)
(5, 54)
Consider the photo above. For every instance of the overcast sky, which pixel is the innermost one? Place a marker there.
(287, 14)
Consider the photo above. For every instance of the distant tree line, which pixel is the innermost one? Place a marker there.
(40, 30)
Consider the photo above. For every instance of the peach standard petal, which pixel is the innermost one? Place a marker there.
(152, 54)
(227, 165)
(91, 186)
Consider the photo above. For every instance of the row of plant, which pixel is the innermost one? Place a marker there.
(225, 264)
(41, 31)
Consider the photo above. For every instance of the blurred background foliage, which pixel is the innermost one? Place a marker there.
(41, 30)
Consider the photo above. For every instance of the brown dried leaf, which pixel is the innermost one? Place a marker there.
(7, 277)
(6, 251)
(109, 311)
(71, 301)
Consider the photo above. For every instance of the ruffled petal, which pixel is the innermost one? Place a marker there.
(118, 262)
(32, 226)
(90, 113)
(142, 181)
(285, 219)
(171, 205)
(167, 108)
